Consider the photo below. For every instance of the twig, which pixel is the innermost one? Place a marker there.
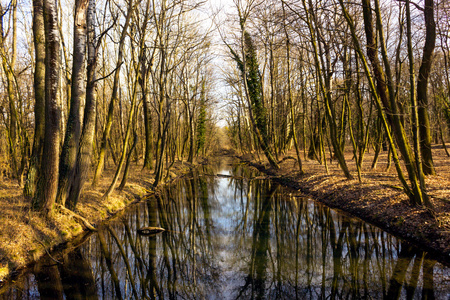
(49, 255)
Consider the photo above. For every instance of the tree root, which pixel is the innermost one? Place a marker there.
(48, 253)
(82, 221)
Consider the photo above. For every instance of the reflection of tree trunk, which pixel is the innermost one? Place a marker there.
(48, 280)
(337, 246)
(109, 264)
(398, 275)
(77, 278)
(261, 237)
(428, 278)
(415, 272)
(154, 289)
(125, 259)
(204, 202)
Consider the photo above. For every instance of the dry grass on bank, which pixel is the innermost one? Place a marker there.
(26, 235)
(378, 198)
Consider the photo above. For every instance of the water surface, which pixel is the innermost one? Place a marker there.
(235, 236)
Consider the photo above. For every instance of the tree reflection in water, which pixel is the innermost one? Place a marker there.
(235, 237)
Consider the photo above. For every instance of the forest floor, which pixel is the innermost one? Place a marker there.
(26, 235)
(378, 199)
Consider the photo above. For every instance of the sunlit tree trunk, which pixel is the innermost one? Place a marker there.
(8, 64)
(386, 105)
(414, 109)
(78, 96)
(83, 160)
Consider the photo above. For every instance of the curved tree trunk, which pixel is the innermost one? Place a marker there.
(422, 87)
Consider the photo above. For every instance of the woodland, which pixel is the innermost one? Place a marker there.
(89, 83)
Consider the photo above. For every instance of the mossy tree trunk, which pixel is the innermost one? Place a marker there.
(386, 104)
(253, 92)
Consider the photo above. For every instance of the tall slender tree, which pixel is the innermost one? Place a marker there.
(45, 196)
(39, 96)
(78, 97)
(422, 89)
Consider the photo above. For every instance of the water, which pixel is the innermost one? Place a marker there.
(235, 236)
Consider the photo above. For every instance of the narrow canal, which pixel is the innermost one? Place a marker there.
(235, 236)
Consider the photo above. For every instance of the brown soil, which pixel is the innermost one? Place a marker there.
(26, 235)
(378, 199)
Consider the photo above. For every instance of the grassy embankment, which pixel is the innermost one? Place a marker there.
(26, 235)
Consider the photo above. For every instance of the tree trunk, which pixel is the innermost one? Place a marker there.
(253, 92)
(326, 94)
(384, 106)
(148, 158)
(415, 114)
(422, 87)
(48, 184)
(114, 96)
(8, 64)
(78, 95)
(291, 106)
(39, 95)
(127, 164)
(84, 154)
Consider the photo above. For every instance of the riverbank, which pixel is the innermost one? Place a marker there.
(378, 199)
(25, 236)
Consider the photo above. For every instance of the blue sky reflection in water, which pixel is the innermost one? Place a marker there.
(236, 236)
